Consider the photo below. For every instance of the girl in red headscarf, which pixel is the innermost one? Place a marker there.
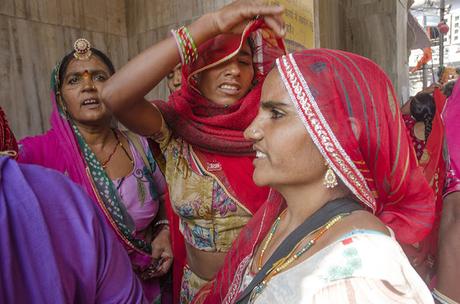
(330, 140)
(208, 162)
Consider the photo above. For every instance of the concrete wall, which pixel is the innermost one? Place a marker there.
(376, 29)
(34, 35)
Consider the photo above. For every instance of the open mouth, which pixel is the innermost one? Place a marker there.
(90, 101)
(230, 89)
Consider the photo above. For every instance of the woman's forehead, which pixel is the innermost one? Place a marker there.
(273, 87)
(93, 63)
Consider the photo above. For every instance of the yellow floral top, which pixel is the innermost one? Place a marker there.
(210, 219)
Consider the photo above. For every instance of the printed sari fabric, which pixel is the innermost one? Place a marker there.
(431, 157)
(335, 92)
(419, 144)
(63, 148)
(8, 144)
(213, 135)
(361, 267)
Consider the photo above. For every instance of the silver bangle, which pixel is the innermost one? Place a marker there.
(161, 222)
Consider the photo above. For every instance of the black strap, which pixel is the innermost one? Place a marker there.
(318, 219)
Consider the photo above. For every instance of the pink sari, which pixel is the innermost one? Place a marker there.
(451, 116)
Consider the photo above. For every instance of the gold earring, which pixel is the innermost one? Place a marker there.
(330, 180)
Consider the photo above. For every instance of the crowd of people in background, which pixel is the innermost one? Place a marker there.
(266, 177)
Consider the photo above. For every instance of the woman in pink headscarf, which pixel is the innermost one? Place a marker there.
(330, 140)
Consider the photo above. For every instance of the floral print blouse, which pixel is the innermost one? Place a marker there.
(209, 218)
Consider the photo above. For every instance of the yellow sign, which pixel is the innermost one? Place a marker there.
(299, 19)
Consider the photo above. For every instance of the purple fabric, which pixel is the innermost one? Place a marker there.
(55, 246)
(134, 189)
(451, 117)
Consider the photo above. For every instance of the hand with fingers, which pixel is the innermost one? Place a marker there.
(161, 254)
(234, 17)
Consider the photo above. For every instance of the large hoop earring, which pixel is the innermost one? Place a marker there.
(330, 179)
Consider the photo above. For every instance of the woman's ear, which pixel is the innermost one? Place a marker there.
(355, 126)
(60, 100)
(61, 103)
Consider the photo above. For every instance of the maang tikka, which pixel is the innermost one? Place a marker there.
(82, 49)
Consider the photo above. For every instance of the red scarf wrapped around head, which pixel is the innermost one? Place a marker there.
(333, 91)
(209, 126)
(216, 132)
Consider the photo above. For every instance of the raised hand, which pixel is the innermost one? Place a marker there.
(234, 17)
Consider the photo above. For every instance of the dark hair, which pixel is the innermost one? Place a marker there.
(423, 108)
(441, 70)
(68, 58)
(448, 88)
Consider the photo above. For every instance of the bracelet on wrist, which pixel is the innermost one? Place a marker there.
(161, 223)
(185, 44)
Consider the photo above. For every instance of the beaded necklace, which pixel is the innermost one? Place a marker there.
(283, 263)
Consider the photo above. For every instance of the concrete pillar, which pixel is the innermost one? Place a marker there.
(372, 28)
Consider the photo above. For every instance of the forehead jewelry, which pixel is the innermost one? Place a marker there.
(82, 49)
